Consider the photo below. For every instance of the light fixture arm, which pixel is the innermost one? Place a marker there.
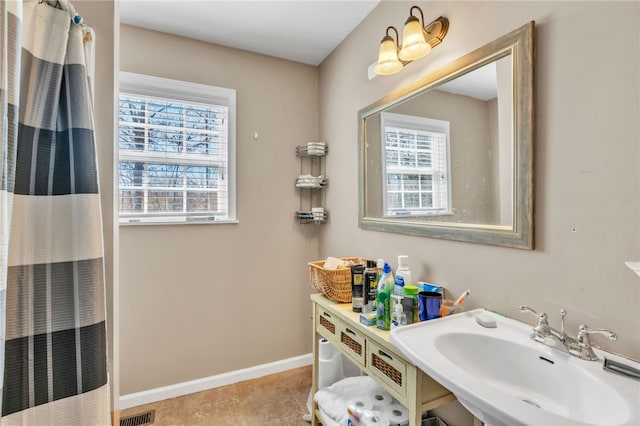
(397, 39)
(421, 14)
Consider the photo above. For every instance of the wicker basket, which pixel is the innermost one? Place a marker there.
(335, 284)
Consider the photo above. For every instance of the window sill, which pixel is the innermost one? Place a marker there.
(180, 223)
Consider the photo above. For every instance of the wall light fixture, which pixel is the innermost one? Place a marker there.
(417, 42)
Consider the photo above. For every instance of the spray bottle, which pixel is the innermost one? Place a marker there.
(383, 300)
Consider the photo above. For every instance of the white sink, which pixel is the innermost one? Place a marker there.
(504, 378)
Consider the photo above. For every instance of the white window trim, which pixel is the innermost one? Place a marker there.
(181, 90)
(389, 119)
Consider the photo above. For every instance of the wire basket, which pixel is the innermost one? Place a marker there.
(433, 421)
(335, 284)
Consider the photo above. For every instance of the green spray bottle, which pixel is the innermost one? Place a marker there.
(383, 300)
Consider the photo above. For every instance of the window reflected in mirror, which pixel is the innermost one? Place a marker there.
(416, 166)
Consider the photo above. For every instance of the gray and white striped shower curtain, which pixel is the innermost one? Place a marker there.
(52, 296)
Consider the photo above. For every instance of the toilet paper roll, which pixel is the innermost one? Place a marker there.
(329, 365)
(381, 398)
(375, 418)
(325, 349)
(398, 415)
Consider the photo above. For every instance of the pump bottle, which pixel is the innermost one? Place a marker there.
(403, 274)
(399, 318)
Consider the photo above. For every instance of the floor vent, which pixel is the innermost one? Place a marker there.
(141, 419)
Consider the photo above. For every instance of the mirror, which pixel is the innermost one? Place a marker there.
(450, 155)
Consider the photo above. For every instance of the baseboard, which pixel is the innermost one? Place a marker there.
(206, 383)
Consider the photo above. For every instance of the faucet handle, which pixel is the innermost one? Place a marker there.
(542, 317)
(582, 345)
(541, 330)
(584, 331)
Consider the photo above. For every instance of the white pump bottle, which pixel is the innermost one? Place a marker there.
(404, 272)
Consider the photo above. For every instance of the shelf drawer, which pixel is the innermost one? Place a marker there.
(388, 367)
(352, 343)
(326, 325)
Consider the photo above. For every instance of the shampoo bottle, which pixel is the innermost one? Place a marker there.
(357, 288)
(370, 286)
(383, 300)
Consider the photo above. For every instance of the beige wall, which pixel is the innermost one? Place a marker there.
(200, 300)
(586, 152)
(180, 289)
(586, 137)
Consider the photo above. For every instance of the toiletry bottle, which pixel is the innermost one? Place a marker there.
(410, 303)
(380, 266)
(399, 318)
(383, 301)
(370, 286)
(404, 272)
(357, 288)
(399, 285)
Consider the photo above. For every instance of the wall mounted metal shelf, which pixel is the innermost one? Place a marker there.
(311, 182)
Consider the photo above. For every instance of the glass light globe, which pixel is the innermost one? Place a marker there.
(414, 46)
(388, 62)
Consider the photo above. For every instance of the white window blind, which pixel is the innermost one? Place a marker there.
(176, 145)
(416, 166)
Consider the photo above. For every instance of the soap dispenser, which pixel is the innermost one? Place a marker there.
(399, 318)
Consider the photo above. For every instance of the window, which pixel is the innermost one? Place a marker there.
(176, 144)
(416, 166)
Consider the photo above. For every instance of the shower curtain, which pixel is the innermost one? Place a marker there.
(53, 353)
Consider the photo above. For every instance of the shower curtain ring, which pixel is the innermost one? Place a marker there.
(57, 5)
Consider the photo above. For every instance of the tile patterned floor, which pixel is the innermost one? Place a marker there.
(278, 399)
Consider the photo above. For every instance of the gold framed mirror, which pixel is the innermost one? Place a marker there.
(451, 155)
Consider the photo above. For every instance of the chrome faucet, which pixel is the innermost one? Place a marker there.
(582, 345)
(579, 347)
(542, 331)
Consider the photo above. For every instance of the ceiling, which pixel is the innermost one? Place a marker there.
(304, 31)
(481, 83)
